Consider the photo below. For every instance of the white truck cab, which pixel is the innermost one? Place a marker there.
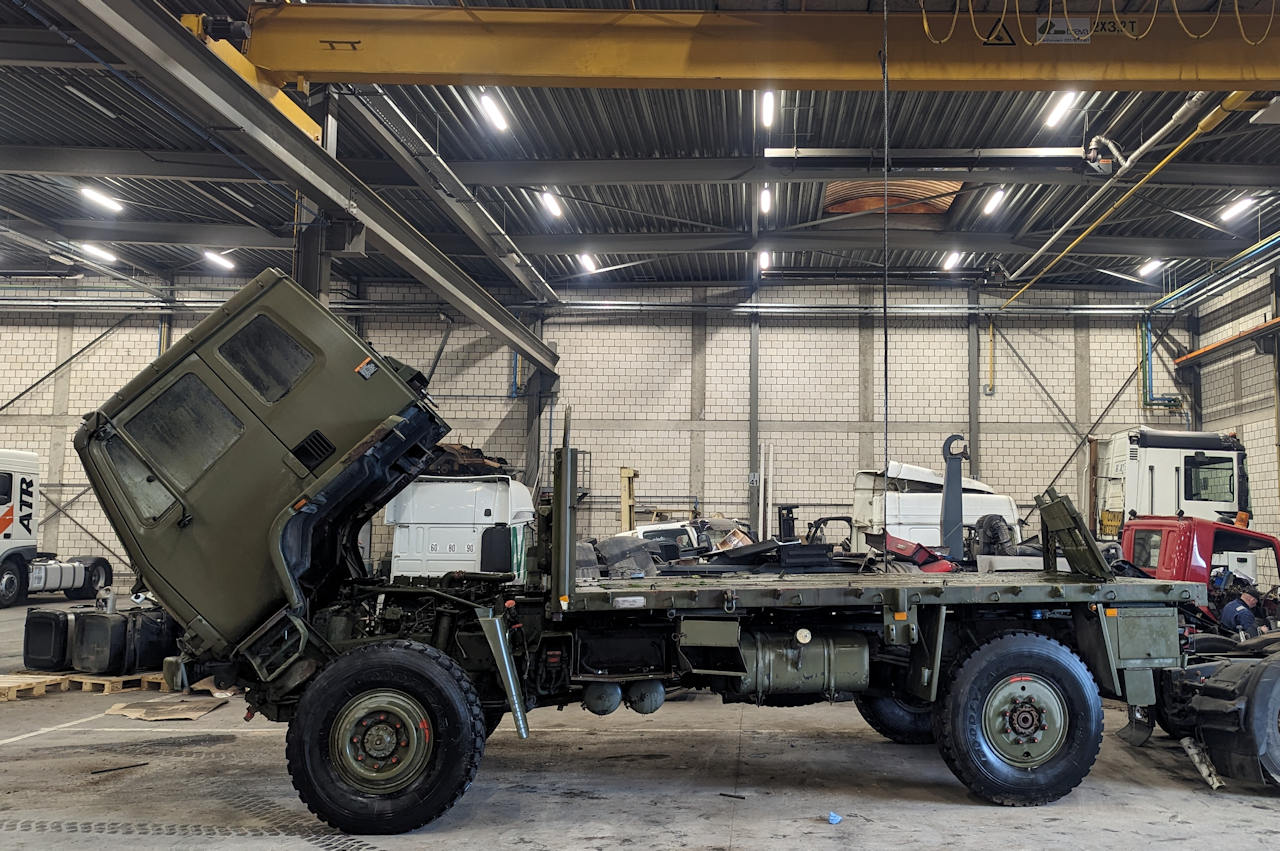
(19, 478)
(444, 524)
(23, 570)
(909, 502)
(1151, 472)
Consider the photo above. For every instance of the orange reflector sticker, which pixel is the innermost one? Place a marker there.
(1111, 613)
(297, 506)
(362, 364)
(899, 616)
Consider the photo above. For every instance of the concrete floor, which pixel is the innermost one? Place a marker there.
(658, 781)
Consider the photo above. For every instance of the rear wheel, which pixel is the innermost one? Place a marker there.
(97, 575)
(13, 582)
(898, 719)
(1021, 720)
(386, 738)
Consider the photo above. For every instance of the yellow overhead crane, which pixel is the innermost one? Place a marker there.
(295, 43)
(1104, 51)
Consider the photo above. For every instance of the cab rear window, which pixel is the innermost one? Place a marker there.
(185, 429)
(266, 357)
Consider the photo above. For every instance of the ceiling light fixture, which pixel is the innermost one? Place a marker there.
(766, 200)
(218, 260)
(553, 206)
(766, 109)
(993, 203)
(588, 262)
(101, 199)
(97, 253)
(1149, 267)
(1065, 101)
(1237, 208)
(493, 112)
(952, 259)
(766, 259)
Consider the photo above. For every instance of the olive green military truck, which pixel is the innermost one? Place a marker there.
(238, 469)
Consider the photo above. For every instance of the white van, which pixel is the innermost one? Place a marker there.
(914, 501)
(441, 524)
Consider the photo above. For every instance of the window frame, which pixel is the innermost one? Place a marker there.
(1192, 464)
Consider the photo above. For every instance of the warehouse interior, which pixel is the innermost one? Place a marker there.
(723, 245)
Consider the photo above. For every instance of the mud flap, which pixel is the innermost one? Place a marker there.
(496, 633)
(1139, 728)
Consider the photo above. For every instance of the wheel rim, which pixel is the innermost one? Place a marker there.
(97, 579)
(380, 741)
(1025, 720)
(8, 585)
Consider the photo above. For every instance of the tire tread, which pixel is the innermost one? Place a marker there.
(293, 747)
(946, 734)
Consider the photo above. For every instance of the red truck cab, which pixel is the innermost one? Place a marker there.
(1190, 548)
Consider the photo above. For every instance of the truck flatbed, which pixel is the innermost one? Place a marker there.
(900, 591)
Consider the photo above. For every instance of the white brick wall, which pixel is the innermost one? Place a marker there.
(630, 382)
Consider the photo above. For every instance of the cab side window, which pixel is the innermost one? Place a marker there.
(149, 497)
(1146, 548)
(185, 429)
(266, 357)
(1209, 478)
(6, 488)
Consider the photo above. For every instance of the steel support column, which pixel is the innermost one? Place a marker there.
(180, 68)
(975, 387)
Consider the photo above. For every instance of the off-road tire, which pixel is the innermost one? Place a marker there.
(963, 738)
(896, 719)
(95, 569)
(1171, 727)
(1260, 719)
(13, 582)
(455, 729)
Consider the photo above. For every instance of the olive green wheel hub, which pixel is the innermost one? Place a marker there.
(1025, 720)
(380, 741)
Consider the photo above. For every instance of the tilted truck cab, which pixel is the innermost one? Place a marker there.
(239, 468)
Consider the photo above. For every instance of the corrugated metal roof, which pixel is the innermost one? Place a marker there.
(79, 107)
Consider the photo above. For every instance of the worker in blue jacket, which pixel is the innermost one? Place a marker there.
(1237, 615)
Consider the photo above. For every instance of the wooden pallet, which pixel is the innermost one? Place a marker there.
(106, 685)
(155, 682)
(13, 686)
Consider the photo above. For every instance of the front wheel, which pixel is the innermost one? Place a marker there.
(386, 738)
(899, 720)
(1021, 720)
(13, 582)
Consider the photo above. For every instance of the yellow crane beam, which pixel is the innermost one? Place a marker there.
(353, 43)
